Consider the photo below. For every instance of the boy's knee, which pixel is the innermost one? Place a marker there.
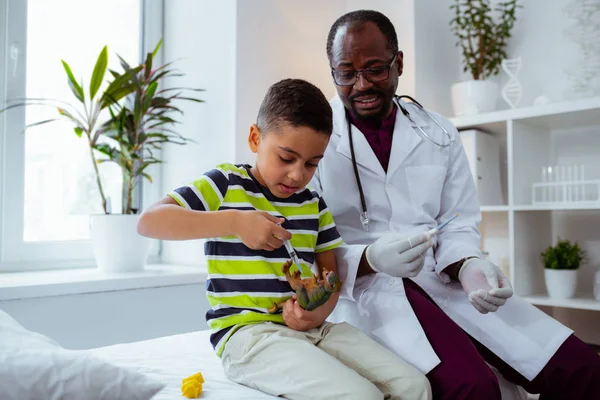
(421, 389)
(415, 386)
(362, 389)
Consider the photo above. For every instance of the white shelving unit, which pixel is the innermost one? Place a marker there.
(514, 231)
(583, 301)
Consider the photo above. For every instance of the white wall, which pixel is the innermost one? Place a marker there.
(436, 57)
(201, 35)
(277, 40)
(546, 53)
(101, 319)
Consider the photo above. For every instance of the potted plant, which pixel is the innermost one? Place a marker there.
(482, 41)
(140, 121)
(561, 263)
(135, 133)
(84, 112)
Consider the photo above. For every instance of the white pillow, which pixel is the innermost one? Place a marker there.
(32, 366)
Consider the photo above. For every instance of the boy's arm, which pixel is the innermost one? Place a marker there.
(167, 220)
(301, 320)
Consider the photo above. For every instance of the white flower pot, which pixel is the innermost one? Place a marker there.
(117, 245)
(474, 97)
(561, 283)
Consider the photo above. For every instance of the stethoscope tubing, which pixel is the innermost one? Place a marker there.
(364, 216)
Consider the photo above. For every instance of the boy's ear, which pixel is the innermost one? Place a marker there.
(254, 138)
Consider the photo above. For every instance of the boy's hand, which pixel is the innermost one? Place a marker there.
(299, 319)
(259, 230)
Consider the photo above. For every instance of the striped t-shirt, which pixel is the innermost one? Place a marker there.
(244, 283)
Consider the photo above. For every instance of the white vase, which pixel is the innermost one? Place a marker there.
(561, 283)
(474, 97)
(117, 245)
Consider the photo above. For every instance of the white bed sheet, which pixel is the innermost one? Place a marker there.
(172, 358)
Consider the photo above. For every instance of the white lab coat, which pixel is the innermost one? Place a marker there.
(423, 186)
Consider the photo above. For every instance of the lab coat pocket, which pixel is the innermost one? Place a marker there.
(425, 187)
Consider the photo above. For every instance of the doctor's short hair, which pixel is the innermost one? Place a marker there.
(361, 16)
(295, 102)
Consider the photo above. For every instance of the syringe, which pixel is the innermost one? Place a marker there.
(293, 254)
(434, 231)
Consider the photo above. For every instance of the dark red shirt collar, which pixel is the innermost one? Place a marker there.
(379, 134)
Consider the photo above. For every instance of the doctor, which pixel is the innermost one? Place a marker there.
(436, 302)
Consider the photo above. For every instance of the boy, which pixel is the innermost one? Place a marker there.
(245, 212)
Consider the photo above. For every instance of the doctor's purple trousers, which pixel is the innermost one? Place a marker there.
(573, 373)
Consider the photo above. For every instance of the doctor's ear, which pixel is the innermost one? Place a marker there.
(400, 62)
(254, 138)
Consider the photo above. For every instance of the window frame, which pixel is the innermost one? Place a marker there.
(15, 253)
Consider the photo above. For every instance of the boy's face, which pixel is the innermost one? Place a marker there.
(286, 159)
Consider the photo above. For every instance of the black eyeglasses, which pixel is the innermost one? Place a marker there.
(373, 75)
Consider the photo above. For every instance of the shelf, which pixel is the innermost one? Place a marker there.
(555, 207)
(582, 302)
(585, 112)
(494, 208)
(558, 207)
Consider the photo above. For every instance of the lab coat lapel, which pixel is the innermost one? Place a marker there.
(405, 138)
(364, 154)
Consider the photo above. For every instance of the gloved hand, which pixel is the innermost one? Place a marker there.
(486, 285)
(397, 255)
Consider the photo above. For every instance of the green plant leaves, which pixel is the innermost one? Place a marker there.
(142, 123)
(483, 40)
(75, 87)
(157, 48)
(563, 256)
(142, 116)
(99, 71)
(119, 87)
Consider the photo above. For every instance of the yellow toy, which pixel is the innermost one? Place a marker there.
(191, 387)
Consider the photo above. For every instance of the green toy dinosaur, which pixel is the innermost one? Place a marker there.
(310, 292)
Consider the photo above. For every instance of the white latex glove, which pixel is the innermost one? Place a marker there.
(486, 285)
(398, 255)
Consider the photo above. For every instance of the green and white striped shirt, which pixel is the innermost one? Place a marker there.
(243, 283)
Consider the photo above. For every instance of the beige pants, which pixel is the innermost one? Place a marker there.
(335, 361)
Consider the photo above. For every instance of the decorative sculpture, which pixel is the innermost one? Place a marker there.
(512, 91)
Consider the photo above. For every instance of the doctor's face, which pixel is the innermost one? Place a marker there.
(286, 158)
(363, 47)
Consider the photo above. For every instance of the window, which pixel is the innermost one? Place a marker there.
(48, 183)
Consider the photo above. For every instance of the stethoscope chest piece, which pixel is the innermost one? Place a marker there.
(364, 220)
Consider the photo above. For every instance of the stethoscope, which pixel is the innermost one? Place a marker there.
(364, 216)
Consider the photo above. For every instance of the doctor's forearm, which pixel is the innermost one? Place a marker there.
(363, 267)
(452, 270)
